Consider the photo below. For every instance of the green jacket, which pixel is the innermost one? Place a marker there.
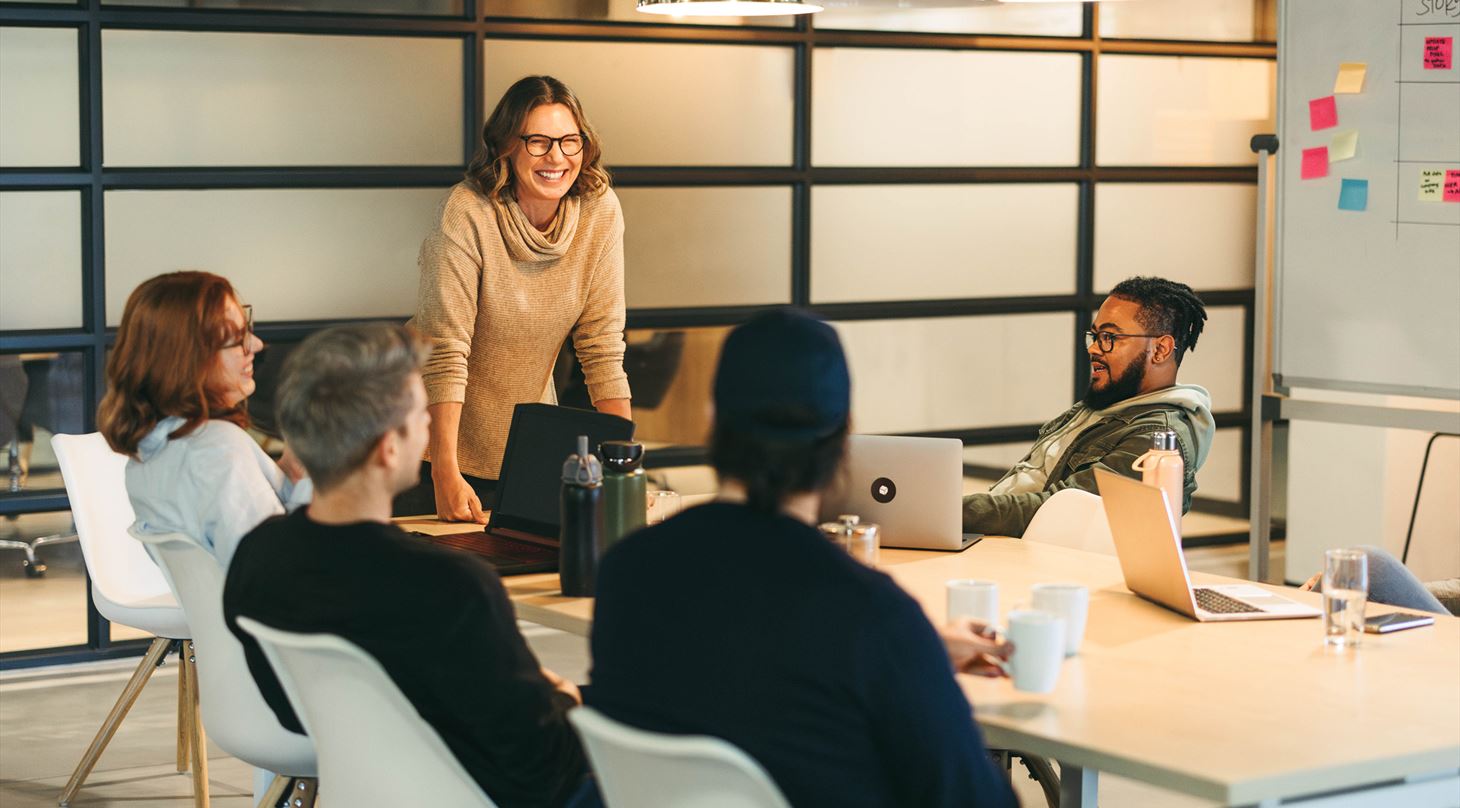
(1112, 443)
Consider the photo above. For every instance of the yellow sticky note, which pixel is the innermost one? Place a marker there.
(1431, 185)
(1344, 145)
(1350, 77)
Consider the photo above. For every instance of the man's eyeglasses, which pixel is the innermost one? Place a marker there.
(539, 145)
(245, 338)
(1107, 339)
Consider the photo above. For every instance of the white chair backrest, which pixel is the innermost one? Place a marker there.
(1072, 518)
(636, 769)
(236, 715)
(374, 748)
(95, 476)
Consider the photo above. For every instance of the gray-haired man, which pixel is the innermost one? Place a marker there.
(352, 406)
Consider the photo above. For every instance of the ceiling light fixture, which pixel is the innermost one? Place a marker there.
(726, 8)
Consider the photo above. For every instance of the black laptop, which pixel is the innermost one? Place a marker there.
(522, 534)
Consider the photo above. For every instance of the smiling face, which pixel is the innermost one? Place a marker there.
(231, 378)
(540, 182)
(1119, 373)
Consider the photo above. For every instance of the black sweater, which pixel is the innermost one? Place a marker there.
(754, 628)
(440, 624)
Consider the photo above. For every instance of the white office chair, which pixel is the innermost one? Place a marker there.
(128, 590)
(374, 748)
(238, 718)
(639, 769)
(1072, 518)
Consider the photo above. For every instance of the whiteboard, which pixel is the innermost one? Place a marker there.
(1368, 300)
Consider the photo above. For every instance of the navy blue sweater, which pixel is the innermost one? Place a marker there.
(753, 628)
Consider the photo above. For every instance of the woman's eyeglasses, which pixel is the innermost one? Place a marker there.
(245, 337)
(539, 145)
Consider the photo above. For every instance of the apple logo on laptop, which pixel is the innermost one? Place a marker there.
(883, 490)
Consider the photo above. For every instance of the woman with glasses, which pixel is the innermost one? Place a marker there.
(177, 380)
(526, 252)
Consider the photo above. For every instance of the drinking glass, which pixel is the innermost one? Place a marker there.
(1345, 594)
(662, 505)
(862, 541)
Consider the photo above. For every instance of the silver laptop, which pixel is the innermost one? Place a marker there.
(1142, 524)
(912, 488)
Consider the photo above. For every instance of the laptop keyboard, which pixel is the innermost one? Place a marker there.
(496, 549)
(1215, 602)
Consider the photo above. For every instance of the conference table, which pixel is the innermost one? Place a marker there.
(1245, 713)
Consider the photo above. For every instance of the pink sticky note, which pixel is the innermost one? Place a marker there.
(1323, 112)
(1438, 50)
(1315, 163)
(1452, 185)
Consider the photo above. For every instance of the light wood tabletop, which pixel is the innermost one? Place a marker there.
(1240, 713)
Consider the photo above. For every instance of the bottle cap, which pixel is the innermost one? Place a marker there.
(582, 468)
(621, 456)
(1164, 441)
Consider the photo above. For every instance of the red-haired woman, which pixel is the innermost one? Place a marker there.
(178, 376)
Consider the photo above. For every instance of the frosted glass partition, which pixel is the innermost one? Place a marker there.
(40, 260)
(1222, 20)
(883, 107)
(666, 104)
(1202, 235)
(421, 7)
(614, 11)
(1221, 476)
(1182, 110)
(958, 372)
(296, 254)
(913, 242)
(1039, 19)
(39, 100)
(1218, 361)
(706, 246)
(224, 99)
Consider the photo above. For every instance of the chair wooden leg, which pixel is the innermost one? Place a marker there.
(184, 714)
(114, 718)
(198, 740)
(304, 792)
(275, 792)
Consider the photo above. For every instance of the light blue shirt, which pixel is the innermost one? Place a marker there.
(213, 485)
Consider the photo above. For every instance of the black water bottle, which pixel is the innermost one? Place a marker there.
(582, 522)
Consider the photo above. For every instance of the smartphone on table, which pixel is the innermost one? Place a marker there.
(1396, 621)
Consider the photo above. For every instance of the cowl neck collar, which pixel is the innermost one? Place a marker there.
(527, 243)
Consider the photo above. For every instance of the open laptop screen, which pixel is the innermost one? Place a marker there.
(540, 439)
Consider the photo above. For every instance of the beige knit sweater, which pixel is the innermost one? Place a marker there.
(498, 297)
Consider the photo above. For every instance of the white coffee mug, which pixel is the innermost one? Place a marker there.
(1039, 650)
(1070, 601)
(973, 598)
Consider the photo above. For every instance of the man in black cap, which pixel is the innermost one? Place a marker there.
(737, 619)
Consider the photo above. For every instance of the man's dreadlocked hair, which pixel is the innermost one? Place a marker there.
(1167, 307)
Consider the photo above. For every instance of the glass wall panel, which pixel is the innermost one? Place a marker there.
(40, 260)
(43, 612)
(912, 242)
(613, 10)
(295, 254)
(1218, 361)
(423, 7)
(958, 372)
(882, 107)
(671, 371)
(666, 104)
(706, 246)
(39, 97)
(1221, 476)
(1202, 235)
(1224, 20)
(1035, 19)
(223, 99)
(1182, 110)
(41, 394)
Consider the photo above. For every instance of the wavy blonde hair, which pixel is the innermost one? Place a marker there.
(490, 172)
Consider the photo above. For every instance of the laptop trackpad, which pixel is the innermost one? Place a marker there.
(1253, 595)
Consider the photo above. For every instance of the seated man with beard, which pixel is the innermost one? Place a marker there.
(1136, 345)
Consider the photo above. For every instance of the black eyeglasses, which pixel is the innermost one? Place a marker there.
(539, 145)
(1107, 339)
(244, 339)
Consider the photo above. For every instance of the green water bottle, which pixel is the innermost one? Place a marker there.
(625, 489)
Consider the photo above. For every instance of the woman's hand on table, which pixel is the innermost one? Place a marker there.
(1312, 583)
(975, 648)
(456, 501)
(562, 685)
(290, 465)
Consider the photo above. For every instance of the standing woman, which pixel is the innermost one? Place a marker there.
(177, 380)
(527, 250)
